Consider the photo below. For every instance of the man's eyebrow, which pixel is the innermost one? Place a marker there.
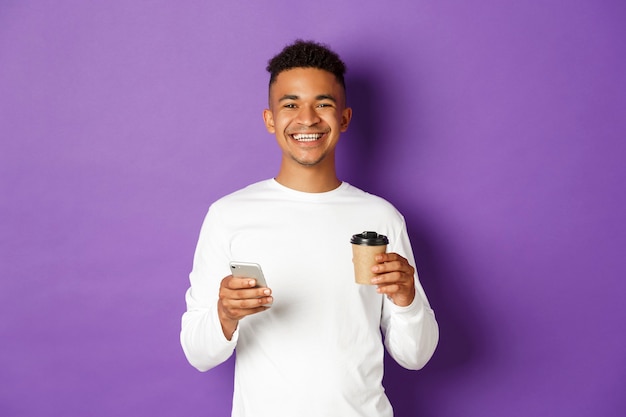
(318, 98)
(288, 97)
(326, 97)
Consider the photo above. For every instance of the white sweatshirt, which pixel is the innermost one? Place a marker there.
(318, 350)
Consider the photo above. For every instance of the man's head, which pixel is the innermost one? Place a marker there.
(307, 54)
(307, 107)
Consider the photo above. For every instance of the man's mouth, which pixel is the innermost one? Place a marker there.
(307, 137)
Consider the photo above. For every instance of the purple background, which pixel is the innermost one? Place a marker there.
(497, 127)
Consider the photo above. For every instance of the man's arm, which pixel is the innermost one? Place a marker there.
(201, 336)
(408, 323)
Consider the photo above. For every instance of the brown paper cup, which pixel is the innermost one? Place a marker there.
(364, 258)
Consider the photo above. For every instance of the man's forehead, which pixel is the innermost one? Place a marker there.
(309, 81)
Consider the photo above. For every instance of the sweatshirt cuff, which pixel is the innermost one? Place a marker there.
(416, 306)
(219, 336)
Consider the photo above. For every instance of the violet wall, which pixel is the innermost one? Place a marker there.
(497, 127)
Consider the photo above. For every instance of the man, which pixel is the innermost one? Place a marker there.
(310, 344)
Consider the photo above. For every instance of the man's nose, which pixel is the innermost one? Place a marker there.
(308, 116)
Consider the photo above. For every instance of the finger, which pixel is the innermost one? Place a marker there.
(235, 283)
(388, 289)
(399, 295)
(389, 278)
(246, 303)
(388, 257)
(388, 266)
(393, 266)
(239, 313)
(244, 294)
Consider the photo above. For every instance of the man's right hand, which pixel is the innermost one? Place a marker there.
(238, 298)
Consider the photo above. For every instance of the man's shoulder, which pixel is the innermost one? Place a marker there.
(250, 191)
(371, 198)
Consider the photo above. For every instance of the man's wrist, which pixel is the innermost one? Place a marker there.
(402, 300)
(228, 325)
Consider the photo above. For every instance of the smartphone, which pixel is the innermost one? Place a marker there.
(248, 270)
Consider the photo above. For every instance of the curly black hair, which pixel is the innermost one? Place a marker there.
(307, 54)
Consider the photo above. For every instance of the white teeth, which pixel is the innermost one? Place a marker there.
(307, 137)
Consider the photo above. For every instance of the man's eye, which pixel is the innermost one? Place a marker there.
(290, 106)
(324, 105)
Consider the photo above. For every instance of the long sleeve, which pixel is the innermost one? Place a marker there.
(201, 334)
(411, 333)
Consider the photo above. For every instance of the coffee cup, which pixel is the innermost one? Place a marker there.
(365, 247)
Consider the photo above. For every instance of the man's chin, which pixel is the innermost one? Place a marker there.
(308, 162)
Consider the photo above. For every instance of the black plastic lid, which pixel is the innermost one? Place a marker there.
(369, 239)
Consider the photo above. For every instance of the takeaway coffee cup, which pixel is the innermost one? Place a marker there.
(365, 247)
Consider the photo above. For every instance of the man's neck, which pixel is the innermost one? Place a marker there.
(308, 179)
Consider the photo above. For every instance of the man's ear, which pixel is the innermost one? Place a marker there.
(268, 118)
(346, 116)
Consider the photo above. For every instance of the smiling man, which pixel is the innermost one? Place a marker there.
(307, 114)
(310, 343)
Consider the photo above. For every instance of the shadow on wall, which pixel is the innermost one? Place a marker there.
(461, 343)
(356, 155)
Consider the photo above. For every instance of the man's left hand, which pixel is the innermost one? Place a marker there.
(394, 278)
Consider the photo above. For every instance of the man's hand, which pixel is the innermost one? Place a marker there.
(238, 298)
(395, 278)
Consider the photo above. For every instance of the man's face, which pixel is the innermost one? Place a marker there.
(307, 114)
